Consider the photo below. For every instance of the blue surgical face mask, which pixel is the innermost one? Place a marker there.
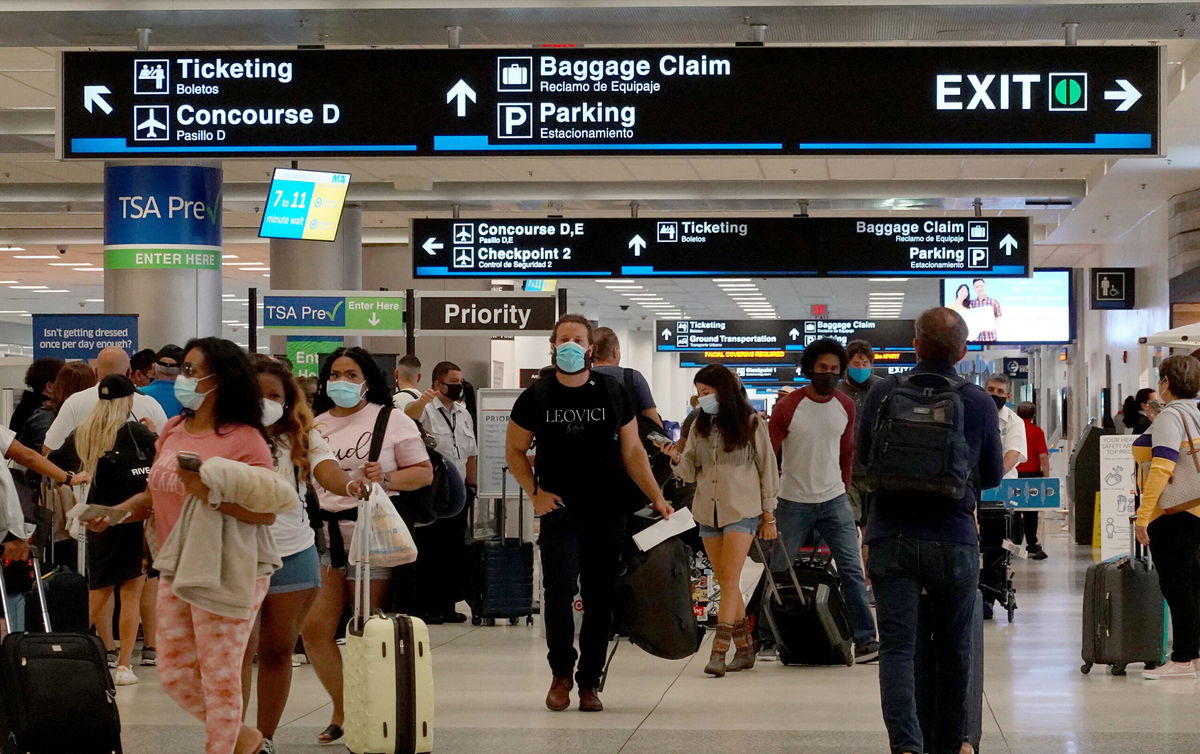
(710, 404)
(570, 358)
(185, 392)
(344, 394)
(859, 374)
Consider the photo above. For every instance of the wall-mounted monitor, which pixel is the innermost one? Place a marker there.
(305, 205)
(1015, 311)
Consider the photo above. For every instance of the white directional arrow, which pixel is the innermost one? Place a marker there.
(462, 92)
(1127, 94)
(374, 319)
(94, 95)
(794, 333)
(432, 245)
(666, 334)
(1008, 243)
(637, 243)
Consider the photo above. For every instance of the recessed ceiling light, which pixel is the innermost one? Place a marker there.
(228, 256)
(228, 295)
(718, 281)
(624, 287)
(7, 282)
(53, 290)
(14, 248)
(87, 269)
(14, 311)
(748, 297)
(26, 287)
(615, 280)
(70, 264)
(735, 286)
(94, 300)
(34, 256)
(888, 280)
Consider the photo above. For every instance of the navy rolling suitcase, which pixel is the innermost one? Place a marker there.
(926, 675)
(501, 584)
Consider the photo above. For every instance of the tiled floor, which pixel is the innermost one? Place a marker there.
(491, 682)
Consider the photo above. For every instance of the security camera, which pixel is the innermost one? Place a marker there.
(62, 249)
(624, 307)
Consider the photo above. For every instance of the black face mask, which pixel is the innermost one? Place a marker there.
(825, 383)
(454, 392)
(999, 400)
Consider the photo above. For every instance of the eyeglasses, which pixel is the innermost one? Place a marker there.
(188, 369)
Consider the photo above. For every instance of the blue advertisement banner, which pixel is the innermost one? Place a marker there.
(162, 205)
(83, 336)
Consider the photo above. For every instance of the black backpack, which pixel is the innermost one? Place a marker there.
(917, 443)
(660, 463)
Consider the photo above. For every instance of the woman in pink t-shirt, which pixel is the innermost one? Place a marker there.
(350, 394)
(200, 653)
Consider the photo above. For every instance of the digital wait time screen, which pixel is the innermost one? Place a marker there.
(304, 204)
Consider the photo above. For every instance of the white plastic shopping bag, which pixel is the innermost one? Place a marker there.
(382, 536)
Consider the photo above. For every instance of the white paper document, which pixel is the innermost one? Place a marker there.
(680, 521)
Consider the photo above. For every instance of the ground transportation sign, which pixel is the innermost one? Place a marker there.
(696, 100)
(759, 246)
(731, 337)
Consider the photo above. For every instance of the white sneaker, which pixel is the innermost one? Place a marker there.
(1171, 670)
(123, 676)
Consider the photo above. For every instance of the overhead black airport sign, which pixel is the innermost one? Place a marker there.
(494, 313)
(783, 336)
(758, 246)
(716, 100)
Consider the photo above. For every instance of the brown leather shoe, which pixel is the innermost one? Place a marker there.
(559, 696)
(589, 700)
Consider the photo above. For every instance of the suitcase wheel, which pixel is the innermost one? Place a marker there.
(1012, 608)
(1151, 665)
(1085, 668)
(528, 620)
(513, 621)
(1116, 670)
(476, 620)
(489, 621)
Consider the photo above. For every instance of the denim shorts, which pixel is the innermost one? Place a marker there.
(745, 526)
(300, 571)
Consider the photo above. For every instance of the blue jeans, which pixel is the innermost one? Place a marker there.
(834, 521)
(900, 568)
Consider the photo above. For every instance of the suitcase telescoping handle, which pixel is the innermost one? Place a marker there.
(771, 576)
(502, 521)
(362, 569)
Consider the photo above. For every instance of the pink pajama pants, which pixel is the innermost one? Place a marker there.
(200, 663)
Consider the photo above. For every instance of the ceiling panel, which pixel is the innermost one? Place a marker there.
(994, 167)
(724, 169)
(861, 168)
(794, 168)
(928, 168)
(649, 169)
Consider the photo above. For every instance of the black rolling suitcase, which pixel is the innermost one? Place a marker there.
(926, 676)
(1123, 613)
(997, 525)
(65, 591)
(501, 584)
(58, 697)
(802, 607)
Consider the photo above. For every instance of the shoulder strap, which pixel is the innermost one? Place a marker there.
(411, 391)
(614, 396)
(381, 422)
(627, 378)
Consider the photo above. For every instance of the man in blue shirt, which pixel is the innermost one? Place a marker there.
(918, 542)
(162, 389)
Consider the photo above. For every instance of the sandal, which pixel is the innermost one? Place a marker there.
(331, 735)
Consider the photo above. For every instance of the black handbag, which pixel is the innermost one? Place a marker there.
(416, 507)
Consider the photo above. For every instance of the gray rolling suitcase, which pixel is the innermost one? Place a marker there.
(1123, 613)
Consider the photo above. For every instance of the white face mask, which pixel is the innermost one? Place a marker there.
(272, 411)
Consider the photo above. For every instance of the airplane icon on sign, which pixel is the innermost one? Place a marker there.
(147, 123)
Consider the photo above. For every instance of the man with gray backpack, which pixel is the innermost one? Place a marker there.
(930, 442)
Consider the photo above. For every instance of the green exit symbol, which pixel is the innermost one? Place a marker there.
(1068, 92)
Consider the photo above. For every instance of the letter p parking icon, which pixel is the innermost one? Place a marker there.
(514, 120)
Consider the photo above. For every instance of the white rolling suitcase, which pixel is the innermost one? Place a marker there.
(387, 675)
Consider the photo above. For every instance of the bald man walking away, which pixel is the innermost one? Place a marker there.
(79, 406)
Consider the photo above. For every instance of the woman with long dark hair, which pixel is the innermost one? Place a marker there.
(351, 393)
(728, 455)
(200, 652)
(304, 459)
(1137, 411)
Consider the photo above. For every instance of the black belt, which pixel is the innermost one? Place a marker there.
(337, 545)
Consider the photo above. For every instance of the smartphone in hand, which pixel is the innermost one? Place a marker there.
(658, 438)
(189, 461)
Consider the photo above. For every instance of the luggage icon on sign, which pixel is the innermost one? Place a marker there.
(514, 74)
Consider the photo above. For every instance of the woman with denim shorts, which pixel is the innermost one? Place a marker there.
(304, 459)
(728, 455)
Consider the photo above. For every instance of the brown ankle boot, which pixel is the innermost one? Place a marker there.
(720, 647)
(743, 658)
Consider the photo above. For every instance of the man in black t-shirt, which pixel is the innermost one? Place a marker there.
(587, 442)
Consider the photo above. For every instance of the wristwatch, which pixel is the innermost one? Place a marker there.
(70, 478)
